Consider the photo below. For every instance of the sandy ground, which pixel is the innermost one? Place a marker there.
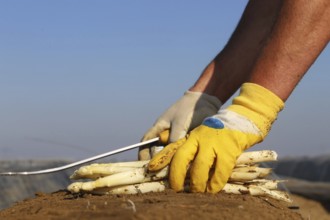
(166, 205)
(311, 209)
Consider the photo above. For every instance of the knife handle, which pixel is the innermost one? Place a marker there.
(164, 137)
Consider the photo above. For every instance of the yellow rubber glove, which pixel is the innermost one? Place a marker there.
(212, 148)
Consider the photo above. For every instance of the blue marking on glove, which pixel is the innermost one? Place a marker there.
(213, 123)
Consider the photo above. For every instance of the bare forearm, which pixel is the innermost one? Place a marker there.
(299, 35)
(231, 67)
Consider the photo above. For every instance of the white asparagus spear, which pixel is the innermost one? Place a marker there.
(95, 171)
(136, 175)
(136, 164)
(275, 194)
(244, 174)
(268, 184)
(256, 191)
(256, 157)
(242, 177)
(263, 172)
(148, 187)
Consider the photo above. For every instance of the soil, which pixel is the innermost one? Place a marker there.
(166, 205)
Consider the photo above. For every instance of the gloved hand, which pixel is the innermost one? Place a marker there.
(184, 115)
(213, 147)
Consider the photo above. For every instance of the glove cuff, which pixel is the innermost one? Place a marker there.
(259, 105)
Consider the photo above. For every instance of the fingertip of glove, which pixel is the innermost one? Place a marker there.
(158, 162)
(214, 188)
(176, 187)
(153, 167)
(176, 180)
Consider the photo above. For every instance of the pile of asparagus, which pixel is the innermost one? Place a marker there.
(133, 177)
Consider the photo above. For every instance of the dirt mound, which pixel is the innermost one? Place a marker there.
(166, 205)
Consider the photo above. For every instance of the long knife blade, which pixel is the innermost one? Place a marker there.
(52, 170)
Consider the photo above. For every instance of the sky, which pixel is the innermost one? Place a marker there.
(79, 78)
